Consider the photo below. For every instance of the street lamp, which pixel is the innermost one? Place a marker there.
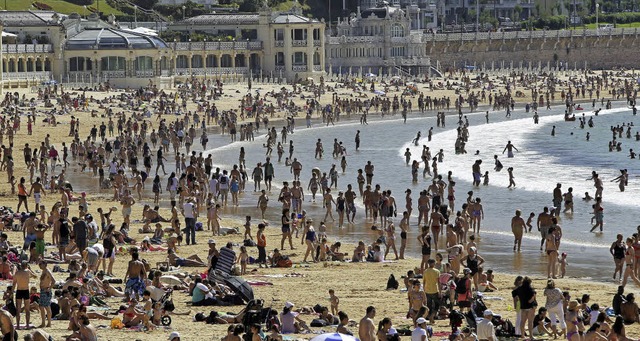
(135, 15)
(184, 8)
(597, 10)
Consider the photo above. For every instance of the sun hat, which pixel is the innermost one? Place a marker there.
(421, 320)
(173, 335)
(288, 305)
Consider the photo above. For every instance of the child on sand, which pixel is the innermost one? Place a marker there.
(243, 259)
(335, 301)
(147, 305)
(247, 228)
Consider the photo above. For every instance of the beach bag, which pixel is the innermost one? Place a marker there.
(116, 323)
(285, 262)
(392, 283)
(319, 323)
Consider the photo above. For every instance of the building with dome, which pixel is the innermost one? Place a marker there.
(42, 46)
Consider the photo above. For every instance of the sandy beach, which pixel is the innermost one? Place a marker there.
(358, 285)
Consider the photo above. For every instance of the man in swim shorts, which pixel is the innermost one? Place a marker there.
(21, 284)
(135, 277)
(544, 222)
(46, 283)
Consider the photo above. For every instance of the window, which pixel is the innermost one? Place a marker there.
(316, 58)
(113, 63)
(397, 31)
(299, 58)
(278, 34)
(299, 34)
(397, 52)
(279, 59)
(143, 63)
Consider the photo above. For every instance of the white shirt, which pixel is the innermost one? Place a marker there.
(486, 331)
(113, 167)
(189, 210)
(98, 247)
(174, 184)
(205, 289)
(213, 186)
(417, 334)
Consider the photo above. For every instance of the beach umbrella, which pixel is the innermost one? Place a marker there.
(170, 280)
(240, 287)
(334, 337)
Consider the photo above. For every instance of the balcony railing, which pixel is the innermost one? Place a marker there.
(299, 68)
(317, 68)
(114, 74)
(218, 46)
(299, 43)
(212, 71)
(144, 73)
(27, 48)
(279, 43)
(41, 75)
(317, 43)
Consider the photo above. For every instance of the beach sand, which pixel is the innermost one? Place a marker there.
(357, 285)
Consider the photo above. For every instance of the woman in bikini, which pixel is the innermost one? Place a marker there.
(629, 258)
(425, 241)
(437, 219)
(391, 240)
(404, 227)
(573, 321)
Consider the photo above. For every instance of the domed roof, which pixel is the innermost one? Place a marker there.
(112, 39)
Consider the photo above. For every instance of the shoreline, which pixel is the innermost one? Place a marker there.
(357, 285)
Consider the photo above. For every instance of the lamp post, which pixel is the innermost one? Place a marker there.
(184, 8)
(597, 10)
(135, 15)
(477, 16)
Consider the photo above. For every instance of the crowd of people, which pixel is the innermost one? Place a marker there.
(154, 134)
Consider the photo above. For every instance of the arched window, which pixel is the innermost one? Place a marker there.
(397, 31)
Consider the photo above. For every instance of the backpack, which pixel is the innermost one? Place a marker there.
(392, 283)
(223, 180)
(461, 286)
(504, 328)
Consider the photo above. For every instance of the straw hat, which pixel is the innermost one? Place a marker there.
(573, 305)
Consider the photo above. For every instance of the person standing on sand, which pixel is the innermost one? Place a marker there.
(21, 286)
(367, 329)
(46, 283)
(517, 227)
(617, 250)
(629, 258)
(432, 289)
(135, 277)
(509, 148)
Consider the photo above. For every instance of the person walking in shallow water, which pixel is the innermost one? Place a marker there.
(512, 182)
(509, 148)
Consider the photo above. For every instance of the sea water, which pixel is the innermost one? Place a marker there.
(540, 162)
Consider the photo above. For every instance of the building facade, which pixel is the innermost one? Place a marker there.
(377, 40)
(49, 46)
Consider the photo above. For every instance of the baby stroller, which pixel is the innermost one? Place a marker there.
(166, 303)
(254, 313)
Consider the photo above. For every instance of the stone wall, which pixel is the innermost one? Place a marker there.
(604, 52)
